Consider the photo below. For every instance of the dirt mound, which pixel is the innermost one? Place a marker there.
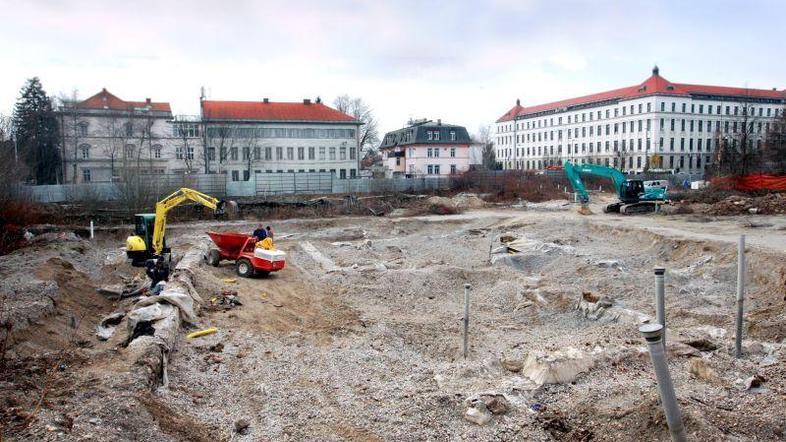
(771, 204)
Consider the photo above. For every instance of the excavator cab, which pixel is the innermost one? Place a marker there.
(630, 191)
(139, 246)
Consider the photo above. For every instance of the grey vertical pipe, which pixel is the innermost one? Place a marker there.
(653, 334)
(466, 318)
(660, 300)
(740, 295)
(92, 228)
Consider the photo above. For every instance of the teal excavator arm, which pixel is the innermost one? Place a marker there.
(574, 171)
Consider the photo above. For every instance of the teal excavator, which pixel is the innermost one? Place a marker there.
(633, 196)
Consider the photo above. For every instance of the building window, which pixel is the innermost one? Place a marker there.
(436, 135)
(342, 155)
(86, 178)
(290, 153)
(233, 154)
(453, 152)
(311, 155)
(353, 173)
(429, 135)
(82, 129)
(85, 150)
(342, 174)
(235, 175)
(430, 169)
(332, 154)
(321, 154)
(429, 152)
(211, 153)
(189, 152)
(268, 153)
(179, 152)
(246, 153)
(353, 153)
(279, 153)
(436, 169)
(129, 129)
(452, 169)
(453, 135)
(257, 153)
(156, 151)
(436, 152)
(301, 153)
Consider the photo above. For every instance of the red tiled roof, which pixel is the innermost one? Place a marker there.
(655, 84)
(270, 111)
(106, 100)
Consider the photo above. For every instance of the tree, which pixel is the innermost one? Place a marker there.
(70, 128)
(37, 133)
(775, 145)
(739, 151)
(359, 110)
(11, 172)
(488, 156)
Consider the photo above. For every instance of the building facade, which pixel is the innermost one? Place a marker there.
(653, 125)
(242, 137)
(426, 148)
(105, 138)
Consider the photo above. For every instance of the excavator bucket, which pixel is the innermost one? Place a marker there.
(584, 210)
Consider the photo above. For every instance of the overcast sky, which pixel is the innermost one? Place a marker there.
(462, 61)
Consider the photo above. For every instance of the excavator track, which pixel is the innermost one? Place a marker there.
(638, 208)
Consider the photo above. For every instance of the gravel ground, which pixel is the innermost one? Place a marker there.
(359, 338)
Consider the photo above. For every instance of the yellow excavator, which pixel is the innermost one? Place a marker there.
(148, 241)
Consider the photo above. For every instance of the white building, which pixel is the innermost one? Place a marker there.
(426, 148)
(105, 137)
(656, 123)
(243, 137)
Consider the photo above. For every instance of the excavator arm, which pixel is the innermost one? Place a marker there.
(180, 196)
(574, 172)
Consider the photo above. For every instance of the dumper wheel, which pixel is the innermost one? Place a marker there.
(213, 257)
(244, 268)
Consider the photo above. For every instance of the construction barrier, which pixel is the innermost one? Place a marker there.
(750, 182)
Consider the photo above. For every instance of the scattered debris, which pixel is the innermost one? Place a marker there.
(226, 300)
(478, 413)
(754, 382)
(512, 365)
(556, 367)
(698, 368)
(496, 403)
(106, 328)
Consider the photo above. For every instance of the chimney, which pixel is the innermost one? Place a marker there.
(103, 90)
(147, 101)
(518, 102)
(439, 121)
(306, 101)
(265, 100)
(319, 100)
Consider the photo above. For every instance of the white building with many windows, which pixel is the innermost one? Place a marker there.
(656, 125)
(104, 137)
(426, 148)
(242, 137)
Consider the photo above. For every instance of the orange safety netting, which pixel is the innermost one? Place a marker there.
(750, 182)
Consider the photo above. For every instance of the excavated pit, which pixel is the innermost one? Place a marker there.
(360, 337)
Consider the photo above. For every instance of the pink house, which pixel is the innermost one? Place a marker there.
(426, 148)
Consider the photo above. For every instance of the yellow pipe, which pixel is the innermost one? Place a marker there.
(207, 331)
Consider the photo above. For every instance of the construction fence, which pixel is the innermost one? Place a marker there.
(151, 188)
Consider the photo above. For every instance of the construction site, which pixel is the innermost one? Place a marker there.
(366, 334)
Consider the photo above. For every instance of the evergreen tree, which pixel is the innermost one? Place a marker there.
(37, 133)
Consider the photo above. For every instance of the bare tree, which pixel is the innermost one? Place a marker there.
(71, 129)
(221, 138)
(489, 156)
(739, 149)
(12, 171)
(359, 110)
(775, 145)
